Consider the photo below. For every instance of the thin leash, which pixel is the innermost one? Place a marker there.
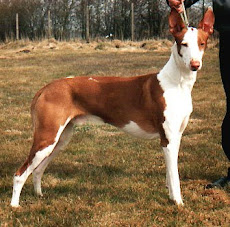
(184, 16)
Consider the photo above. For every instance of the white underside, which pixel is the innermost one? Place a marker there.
(88, 119)
(135, 130)
(131, 128)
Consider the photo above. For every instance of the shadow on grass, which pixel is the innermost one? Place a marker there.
(89, 171)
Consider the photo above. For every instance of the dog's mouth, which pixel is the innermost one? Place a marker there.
(194, 69)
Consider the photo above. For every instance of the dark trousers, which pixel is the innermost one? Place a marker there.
(225, 75)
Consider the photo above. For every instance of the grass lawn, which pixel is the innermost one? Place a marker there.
(106, 177)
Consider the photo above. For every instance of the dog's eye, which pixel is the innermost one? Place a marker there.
(184, 44)
(202, 44)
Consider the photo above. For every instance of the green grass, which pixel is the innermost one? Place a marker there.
(105, 177)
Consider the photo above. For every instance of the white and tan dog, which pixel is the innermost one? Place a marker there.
(149, 106)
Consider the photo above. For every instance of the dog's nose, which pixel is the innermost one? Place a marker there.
(195, 65)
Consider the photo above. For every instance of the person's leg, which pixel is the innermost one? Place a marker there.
(224, 56)
(225, 75)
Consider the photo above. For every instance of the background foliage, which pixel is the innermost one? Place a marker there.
(106, 17)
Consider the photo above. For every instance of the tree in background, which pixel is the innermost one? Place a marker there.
(68, 18)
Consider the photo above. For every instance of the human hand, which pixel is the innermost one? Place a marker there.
(176, 4)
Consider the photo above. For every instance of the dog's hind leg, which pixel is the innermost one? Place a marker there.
(62, 143)
(46, 139)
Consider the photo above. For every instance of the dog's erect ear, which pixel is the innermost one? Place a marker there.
(175, 22)
(208, 21)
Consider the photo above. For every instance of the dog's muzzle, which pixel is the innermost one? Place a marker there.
(194, 65)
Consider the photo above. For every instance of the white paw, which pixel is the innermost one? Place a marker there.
(14, 205)
(39, 193)
(179, 202)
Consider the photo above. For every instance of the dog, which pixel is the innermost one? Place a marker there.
(147, 106)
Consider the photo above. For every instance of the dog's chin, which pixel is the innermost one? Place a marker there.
(194, 70)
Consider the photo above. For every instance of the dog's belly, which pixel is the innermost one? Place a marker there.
(135, 130)
(81, 120)
(131, 128)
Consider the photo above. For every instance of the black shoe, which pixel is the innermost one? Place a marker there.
(223, 181)
(219, 183)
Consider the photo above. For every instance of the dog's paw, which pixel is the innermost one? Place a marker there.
(15, 206)
(179, 203)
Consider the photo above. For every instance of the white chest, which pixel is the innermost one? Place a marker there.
(178, 103)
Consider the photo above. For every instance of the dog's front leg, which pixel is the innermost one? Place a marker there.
(172, 175)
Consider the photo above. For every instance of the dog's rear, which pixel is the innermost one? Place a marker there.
(144, 106)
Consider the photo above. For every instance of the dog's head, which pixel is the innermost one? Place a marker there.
(191, 42)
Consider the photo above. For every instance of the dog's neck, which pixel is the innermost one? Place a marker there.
(176, 73)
